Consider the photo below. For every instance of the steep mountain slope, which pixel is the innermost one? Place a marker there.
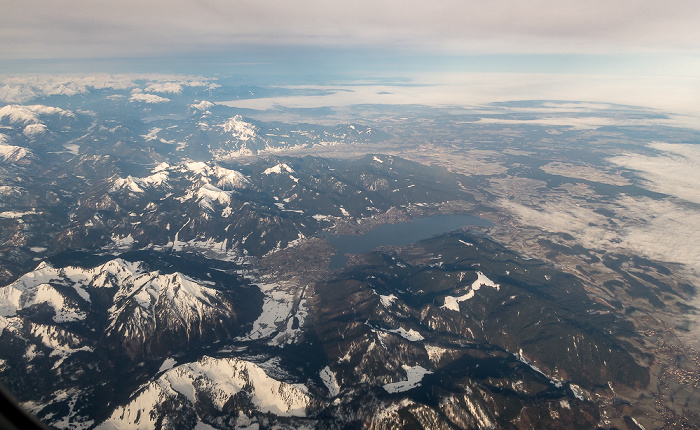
(224, 393)
(66, 325)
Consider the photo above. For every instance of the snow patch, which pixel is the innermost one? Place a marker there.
(330, 381)
(452, 302)
(282, 304)
(387, 301)
(414, 376)
(168, 364)
(435, 353)
(410, 334)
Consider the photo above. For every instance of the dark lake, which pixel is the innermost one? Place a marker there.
(399, 234)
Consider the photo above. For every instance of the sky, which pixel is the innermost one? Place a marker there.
(651, 36)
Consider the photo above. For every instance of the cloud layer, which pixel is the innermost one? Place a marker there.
(664, 229)
(83, 28)
(674, 171)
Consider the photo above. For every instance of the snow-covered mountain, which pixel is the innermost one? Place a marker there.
(202, 392)
(151, 312)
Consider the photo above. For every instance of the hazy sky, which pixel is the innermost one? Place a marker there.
(97, 28)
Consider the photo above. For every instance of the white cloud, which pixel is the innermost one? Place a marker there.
(656, 229)
(675, 171)
(673, 95)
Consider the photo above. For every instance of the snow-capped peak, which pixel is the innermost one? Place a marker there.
(21, 114)
(39, 286)
(128, 183)
(12, 153)
(203, 105)
(240, 129)
(225, 178)
(230, 178)
(161, 167)
(208, 194)
(218, 380)
(137, 185)
(278, 169)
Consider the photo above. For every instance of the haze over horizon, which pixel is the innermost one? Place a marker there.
(631, 52)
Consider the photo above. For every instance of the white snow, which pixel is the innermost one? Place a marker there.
(638, 424)
(64, 311)
(522, 359)
(377, 159)
(578, 392)
(166, 87)
(478, 412)
(32, 289)
(277, 317)
(129, 183)
(225, 177)
(278, 169)
(13, 214)
(239, 129)
(147, 98)
(387, 301)
(203, 105)
(208, 194)
(152, 135)
(410, 334)
(168, 364)
(330, 381)
(414, 376)
(390, 412)
(34, 130)
(9, 301)
(229, 178)
(72, 148)
(62, 343)
(29, 114)
(435, 353)
(218, 379)
(122, 242)
(210, 185)
(452, 302)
